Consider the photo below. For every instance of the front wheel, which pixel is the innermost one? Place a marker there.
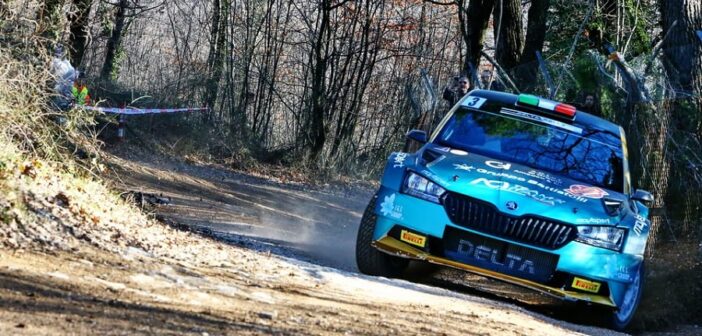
(368, 259)
(620, 319)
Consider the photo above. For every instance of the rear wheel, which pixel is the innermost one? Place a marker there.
(368, 259)
(620, 319)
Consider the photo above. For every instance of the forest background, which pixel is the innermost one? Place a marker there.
(331, 87)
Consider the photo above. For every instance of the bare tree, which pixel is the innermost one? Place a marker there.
(115, 40)
(79, 30)
(535, 37)
(474, 24)
(508, 33)
(215, 61)
(683, 48)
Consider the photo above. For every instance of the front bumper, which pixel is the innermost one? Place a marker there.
(395, 247)
(612, 269)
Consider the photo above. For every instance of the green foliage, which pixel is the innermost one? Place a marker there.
(120, 55)
(105, 18)
(585, 72)
(564, 20)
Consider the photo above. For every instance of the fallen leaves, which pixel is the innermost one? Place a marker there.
(30, 168)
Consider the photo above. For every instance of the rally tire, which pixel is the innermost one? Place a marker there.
(368, 259)
(620, 319)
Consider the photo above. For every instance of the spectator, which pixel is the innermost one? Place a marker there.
(589, 104)
(489, 84)
(63, 75)
(459, 87)
(80, 93)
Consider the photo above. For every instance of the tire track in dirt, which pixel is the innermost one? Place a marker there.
(315, 224)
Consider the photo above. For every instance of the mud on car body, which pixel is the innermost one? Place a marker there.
(518, 188)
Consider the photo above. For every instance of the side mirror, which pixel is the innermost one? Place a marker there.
(418, 136)
(642, 196)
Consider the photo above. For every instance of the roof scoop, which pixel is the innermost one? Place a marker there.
(430, 156)
(612, 206)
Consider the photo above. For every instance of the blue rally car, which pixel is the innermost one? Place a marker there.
(518, 188)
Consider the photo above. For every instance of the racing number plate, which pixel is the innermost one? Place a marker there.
(474, 102)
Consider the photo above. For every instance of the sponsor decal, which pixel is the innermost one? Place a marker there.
(463, 166)
(623, 273)
(586, 285)
(517, 189)
(557, 191)
(512, 205)
(624, 276)
(640, 225)
(500, 174)
(498, 165)
(592, 221)
(586, 191)
(543, 120)
(474, 102)
(486, 253)
(412, 238)
(389, 208)
(539, 175)
(534, 183)
(399, 160)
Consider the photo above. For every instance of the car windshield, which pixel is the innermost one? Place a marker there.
(593, 156)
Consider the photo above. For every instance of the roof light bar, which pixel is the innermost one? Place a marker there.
(528, 99)
(546, 104)
(565, 109)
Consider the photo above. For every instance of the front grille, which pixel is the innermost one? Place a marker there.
(499, 256)
(484, 217)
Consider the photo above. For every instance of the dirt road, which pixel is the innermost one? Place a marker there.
(317, 224)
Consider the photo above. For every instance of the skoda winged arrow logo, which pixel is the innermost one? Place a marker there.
(512, 205)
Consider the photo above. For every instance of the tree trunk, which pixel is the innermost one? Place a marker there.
(216, 58)
(474, 23)
(114, 42)
(316, 132)
(79, 30)
(682, 48)
(682, 60)
(536, 33)
(508, 32)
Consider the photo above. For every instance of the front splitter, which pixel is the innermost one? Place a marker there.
(395, 247)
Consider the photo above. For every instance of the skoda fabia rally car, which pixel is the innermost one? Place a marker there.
(521, 189)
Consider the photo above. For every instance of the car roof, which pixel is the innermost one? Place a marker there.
(582, 119)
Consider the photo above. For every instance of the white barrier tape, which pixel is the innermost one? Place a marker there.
(141, 111)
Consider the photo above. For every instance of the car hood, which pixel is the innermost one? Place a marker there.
(518, 189)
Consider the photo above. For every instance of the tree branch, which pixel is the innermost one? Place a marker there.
(502, 71)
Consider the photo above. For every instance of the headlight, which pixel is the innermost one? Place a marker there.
(601, 236)
(419, 186)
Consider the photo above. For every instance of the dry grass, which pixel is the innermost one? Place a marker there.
(49, 197)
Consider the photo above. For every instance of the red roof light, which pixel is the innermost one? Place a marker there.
(565, 109)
